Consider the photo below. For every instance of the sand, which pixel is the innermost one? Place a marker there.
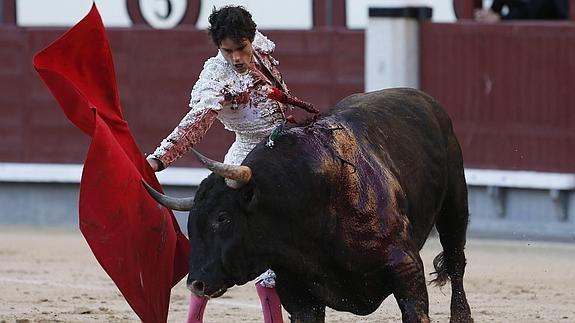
(49, 275)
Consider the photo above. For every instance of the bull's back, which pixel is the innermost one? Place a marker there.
(407, 131)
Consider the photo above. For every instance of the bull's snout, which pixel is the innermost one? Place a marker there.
(197, 287)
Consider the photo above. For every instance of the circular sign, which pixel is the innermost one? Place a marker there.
(163, 14)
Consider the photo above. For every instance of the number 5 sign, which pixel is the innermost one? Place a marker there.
(164, 14)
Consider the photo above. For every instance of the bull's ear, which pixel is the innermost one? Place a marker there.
(251, 197)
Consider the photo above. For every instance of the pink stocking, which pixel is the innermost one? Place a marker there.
(196, 309)
(271, 305)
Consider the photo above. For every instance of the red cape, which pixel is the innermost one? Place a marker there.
(137, 242)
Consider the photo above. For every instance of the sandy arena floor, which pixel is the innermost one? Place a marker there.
(51, 276)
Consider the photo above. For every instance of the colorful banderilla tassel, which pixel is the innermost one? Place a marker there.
(274, 135)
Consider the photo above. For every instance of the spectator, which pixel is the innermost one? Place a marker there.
(523, 9)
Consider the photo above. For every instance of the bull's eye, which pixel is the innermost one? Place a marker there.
(222, 220)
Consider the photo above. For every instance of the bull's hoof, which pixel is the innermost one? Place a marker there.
(461, 319)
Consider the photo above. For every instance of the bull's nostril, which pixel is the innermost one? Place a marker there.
(198, 287)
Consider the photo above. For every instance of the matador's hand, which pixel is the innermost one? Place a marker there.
(276, 94)
(155, 164)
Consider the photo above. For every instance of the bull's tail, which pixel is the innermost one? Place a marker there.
(440, 266)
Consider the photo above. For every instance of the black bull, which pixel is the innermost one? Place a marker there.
(339, 209)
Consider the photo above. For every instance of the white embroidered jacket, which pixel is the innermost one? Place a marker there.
(240, 101)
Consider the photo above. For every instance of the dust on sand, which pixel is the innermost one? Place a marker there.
(49, 275)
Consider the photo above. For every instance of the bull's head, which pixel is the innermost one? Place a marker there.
(222, 242)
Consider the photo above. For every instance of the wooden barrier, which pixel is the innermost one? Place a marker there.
(156, 70)
(508, 88)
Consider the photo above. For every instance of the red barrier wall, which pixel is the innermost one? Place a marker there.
(156, 70)
(509, 88)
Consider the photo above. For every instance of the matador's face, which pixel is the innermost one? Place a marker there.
(238, 55)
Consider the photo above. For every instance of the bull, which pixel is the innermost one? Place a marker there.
(339, 209)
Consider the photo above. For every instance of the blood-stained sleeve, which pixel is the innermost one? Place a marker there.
(186, 135)
(206, 100)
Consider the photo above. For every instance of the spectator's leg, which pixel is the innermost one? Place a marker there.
(561, 8)
(517, 10)
(540, 9)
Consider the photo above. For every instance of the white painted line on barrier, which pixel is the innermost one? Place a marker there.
(520, 179)
(40, 173)
(189, 176)
(72, 173)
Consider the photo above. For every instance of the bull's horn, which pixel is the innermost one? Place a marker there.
(236, 175)
(174, 203)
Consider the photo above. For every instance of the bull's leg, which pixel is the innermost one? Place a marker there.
(298, 301)
(409, 289)
(309, 314)
(452, 227)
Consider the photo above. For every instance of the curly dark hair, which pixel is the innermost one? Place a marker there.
(233, 22)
